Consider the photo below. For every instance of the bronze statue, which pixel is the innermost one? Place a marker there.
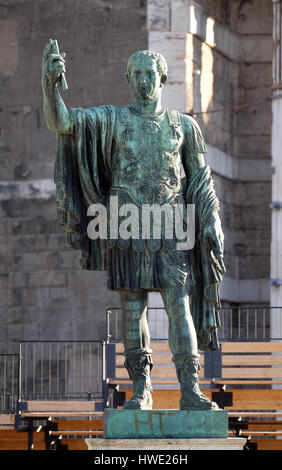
(135, 153)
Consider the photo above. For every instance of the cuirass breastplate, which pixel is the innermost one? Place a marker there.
(146, 161)
(146, 169)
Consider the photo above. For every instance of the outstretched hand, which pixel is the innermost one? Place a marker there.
(53, 64)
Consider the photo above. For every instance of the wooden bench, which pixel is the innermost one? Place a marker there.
(252, 373)
(73, 432)
(166, 391)
(244, 366)
(249, 387)
(55, 418)
(263, 430)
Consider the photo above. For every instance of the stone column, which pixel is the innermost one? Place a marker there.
(168, 25)
(207, 71)
(276, 206)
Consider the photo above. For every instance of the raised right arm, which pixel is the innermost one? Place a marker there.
(56, 113)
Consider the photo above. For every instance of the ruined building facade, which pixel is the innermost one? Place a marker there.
(220, 63)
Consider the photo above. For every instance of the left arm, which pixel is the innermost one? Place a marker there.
(194, 164)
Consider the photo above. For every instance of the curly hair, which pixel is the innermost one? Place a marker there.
(160, 60)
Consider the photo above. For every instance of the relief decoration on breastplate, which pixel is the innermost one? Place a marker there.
(147, 162)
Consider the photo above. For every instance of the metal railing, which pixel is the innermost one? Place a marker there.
(250, 323)
(61, 370)
(9, 370)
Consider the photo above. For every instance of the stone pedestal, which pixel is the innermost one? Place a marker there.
(163, 424)
(230, 443)
(165, 430)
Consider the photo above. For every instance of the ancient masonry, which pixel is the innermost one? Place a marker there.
(218, 56)
(227, 62)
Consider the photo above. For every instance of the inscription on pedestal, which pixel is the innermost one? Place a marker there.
(150, 424)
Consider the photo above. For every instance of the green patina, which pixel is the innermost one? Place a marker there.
(161, 424)
(136, 152)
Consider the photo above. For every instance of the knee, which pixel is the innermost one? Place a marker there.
(180, 312)
(179, 309)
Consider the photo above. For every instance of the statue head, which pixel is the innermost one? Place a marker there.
(146, 73)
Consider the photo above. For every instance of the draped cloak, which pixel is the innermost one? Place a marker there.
(83, 177)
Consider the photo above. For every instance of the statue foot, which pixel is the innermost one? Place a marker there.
(139, 402)
(139, 364)
(197, 402)
(192, 398)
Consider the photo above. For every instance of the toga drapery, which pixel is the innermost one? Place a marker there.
(83, 176)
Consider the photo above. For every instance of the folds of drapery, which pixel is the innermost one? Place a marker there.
(194, 143)
(207, 269)
(82, 177)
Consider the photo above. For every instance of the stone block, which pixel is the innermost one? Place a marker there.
(19, 315)
(172, 45)
(14, 332)
(9, 47)
(180, 19)
(245, 146)
(158, 15)
(245, 291)
(27, 225)
(252, 17)
(4, 280)
(54, 298)
(22, 262)
(48, 279)
(35, 242)
(4, 297)
(174, 96)
(230, 443)
(214, 8)
(254, 266)
(250, 123)
(255, 75)
(160, 424)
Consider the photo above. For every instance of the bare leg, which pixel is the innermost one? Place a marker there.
(182, 335)
(136, 338)
(134, 320)
(184, 347)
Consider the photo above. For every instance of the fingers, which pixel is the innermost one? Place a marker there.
(214, 239)
(213, 236)
(53, 65)
(216, 247)
(218, 263)
(48, 48)
(51, 50)
(56, 58)
(56, 63)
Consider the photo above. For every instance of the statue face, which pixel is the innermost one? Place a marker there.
(145, 79)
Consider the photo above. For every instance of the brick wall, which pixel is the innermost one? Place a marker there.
(44, 294)
(243, 133)
(252, 137)
(225, 80)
